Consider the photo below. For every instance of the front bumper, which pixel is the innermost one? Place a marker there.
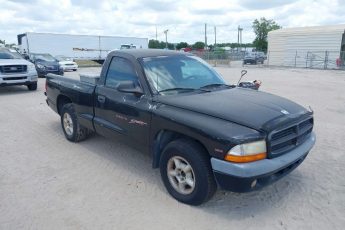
(18, 79)
(245, 177)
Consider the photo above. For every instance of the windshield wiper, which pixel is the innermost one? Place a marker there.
(182, 89)
(216, 85)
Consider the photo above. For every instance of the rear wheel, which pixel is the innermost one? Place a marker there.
(72, 129)
(186, 172)
(32, 86)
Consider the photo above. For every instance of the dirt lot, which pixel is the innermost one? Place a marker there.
(47, 182)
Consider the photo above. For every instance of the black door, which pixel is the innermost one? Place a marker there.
(119, 115)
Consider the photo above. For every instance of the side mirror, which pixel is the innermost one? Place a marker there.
(129, 87)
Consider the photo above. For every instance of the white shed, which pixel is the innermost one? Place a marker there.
(312, 47)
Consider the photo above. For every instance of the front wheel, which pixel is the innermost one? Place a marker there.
(32, 86)
(73, 131)
(186, 172)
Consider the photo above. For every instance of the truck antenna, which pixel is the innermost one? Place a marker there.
(243, 72)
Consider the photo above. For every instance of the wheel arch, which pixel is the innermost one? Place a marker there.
(164, 137)
(61, 101)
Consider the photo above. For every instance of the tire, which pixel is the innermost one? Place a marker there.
(190, 180)
(32, 86)
(73, 131)
(74, 70)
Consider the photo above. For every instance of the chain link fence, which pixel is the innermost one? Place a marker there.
(220, 57)
(307, 59)
(295, 58)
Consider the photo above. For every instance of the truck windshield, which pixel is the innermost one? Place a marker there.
(44, 57)
(63, 58)
(175, 73)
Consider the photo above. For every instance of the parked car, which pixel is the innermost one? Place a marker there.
(253, 58)
(67, 63)
(262, 54)
(14, 70)
(46, 63)
(127, 46)
(200, 131)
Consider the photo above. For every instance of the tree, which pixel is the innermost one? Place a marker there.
(154, 44)
(198, 45)
(261, 28)
(181, 45)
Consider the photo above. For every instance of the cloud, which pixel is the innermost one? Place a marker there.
(267, 4)
(184, 19)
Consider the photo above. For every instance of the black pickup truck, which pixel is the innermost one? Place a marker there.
(200, 131)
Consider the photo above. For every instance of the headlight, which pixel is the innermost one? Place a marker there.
(31, 68)
(247, 152)
(40, 66)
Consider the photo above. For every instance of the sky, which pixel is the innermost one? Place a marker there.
(185, 19)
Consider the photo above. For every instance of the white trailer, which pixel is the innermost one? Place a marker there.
(85, 47)
(310, 47)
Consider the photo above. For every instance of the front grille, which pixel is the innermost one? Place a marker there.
(13, 78)
(52, 68)
(283, 140)
(13, 69)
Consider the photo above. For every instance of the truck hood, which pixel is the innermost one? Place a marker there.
(251, 108)
(48, 63)
(14, 62)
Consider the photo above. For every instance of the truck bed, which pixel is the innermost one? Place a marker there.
(81, 93)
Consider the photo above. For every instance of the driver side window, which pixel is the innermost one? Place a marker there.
(120, 69)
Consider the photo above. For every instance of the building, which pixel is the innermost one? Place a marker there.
(310, 47)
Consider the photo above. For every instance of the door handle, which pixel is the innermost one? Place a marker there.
(101, 99)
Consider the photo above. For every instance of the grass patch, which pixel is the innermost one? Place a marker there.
(87, 63)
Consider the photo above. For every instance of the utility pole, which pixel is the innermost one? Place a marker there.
(166, 38)
(239, 37)
(156, 33)
(205, 36)
(215, 36)
(241, 29)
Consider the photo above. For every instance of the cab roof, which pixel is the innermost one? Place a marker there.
(142, 53)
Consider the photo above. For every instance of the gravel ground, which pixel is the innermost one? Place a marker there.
(47, 182)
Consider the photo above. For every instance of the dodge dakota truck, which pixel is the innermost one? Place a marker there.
(201, 132)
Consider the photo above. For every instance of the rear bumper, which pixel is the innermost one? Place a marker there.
(245, 177)
(69, 67)
(251, 61)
